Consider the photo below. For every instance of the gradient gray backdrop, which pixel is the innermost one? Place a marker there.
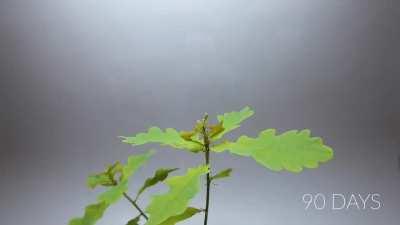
(76, 74)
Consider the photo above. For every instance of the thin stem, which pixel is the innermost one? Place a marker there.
(135, 205)
(207, 159)
(114, 182)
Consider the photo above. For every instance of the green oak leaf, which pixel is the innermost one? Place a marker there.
(114, 193)
(95, 211)
(169, 137)
(134, 221)
(175, 201)
(189, 212)
(291, 150)
(134, 163)
(159, 176)
(92, 214)
(232, 120)
(222, 174)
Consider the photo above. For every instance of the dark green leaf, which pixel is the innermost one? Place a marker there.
(222, 174)
(134, 221)
(159, 176)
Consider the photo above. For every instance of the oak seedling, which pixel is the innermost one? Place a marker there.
(291, 151)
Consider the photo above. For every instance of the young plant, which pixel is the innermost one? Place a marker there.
(291, 151)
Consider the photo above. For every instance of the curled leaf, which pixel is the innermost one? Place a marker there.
(105, 178)
(187, 135)
(216, 129)
(222, 174)
(159, 176)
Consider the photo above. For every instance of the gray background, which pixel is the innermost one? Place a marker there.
(76, 74)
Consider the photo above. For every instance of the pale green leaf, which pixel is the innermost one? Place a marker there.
(291, 150)
(92, 214)
(189, 212)
(169, 137)
(222, 174)
(114, 193)
(134, 221)
(175, 201)
(134, 163)
(159, 176)
(232, 120)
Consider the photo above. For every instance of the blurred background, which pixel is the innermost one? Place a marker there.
(74, 75)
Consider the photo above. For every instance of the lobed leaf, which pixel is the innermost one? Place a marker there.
(175, 201)
(134, 163)
(291, 150)
(232, 120)
(169, 137)
(159, 176)
(92, 214)
(189, 212)
(222, 174)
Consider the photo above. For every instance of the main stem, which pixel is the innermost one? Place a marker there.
(207, 158)
(207, 155)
